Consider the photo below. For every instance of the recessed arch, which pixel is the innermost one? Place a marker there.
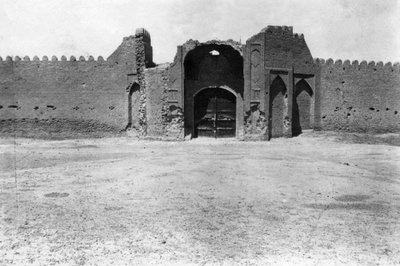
(278, 94)
(222, 58)
(301, 118)
(133, 103)
(303, 86)
(212, 66)
(220, 87)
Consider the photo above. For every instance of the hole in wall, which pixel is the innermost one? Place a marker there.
(324, 117)
(374, 69)
(348, 114)
(344, 68)
(372, 108)
(1, 106)
(286, 96)
(36, 107)
(395, 112)
(336, 109)
(387, 109)
(342, 82)
(214, 53)
(377, 110)
(51, 107)
(111, 107)
(75, 108)
(13, 106)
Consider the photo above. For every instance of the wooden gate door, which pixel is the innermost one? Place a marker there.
(215, 113)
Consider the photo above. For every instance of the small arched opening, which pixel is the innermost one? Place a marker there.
(301, 107)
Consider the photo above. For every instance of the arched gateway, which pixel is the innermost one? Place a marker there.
(213, 91)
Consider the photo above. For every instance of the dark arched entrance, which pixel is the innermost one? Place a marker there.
(213, 91)
(214, 113)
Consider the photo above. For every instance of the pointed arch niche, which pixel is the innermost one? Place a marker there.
(133, 91)
(277, 107)
(302, 107)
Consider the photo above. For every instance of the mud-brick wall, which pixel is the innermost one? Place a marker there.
(83, 92)
(359, 97)
(163, 121)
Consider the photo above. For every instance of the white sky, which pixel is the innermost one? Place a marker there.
(340, 29)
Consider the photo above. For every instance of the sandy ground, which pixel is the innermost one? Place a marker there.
(310, 200)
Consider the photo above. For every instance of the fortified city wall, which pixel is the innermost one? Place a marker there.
(359, 97)
(128, 91)
(76, 94)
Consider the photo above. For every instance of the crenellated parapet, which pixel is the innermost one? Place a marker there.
(52, 60)
(281, 48)
(358, 95)
(278, 29)
(282, 30)
(355, 65)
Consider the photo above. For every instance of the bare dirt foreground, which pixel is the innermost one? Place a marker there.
(310, 200)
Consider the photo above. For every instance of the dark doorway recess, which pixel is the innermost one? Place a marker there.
(277, 107)
(215, 113)
(301, 107)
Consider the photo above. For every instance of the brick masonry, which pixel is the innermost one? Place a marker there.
(280, 90)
